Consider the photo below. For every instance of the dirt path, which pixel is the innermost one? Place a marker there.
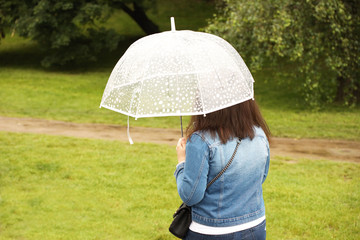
(336, 150)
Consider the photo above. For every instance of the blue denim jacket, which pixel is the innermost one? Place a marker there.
(236, 197)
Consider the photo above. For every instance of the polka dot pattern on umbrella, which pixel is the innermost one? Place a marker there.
(177, 73)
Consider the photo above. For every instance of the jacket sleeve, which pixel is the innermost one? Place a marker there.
(191, 176)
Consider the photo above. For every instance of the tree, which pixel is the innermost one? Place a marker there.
(319, 37)
(69, 31)
(137, 13)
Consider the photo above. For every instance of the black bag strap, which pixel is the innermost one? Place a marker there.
(226, 167)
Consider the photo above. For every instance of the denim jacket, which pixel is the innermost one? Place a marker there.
(236, 197)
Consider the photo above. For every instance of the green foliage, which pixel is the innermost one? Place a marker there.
(79, 31)
(317, 41)
(9, 12)
(66, 30)
(69, 188)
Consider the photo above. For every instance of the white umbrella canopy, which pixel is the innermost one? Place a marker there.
(177, 73)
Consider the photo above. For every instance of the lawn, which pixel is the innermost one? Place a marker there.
(67, 188)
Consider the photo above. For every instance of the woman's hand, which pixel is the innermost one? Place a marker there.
(180, 149)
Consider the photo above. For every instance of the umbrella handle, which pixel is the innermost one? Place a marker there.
(182, 133)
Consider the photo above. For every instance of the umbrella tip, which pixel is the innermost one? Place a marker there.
(172, 21)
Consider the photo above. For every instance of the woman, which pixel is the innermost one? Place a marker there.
(233, 206)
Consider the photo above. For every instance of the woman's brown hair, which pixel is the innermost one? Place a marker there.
(235, 121)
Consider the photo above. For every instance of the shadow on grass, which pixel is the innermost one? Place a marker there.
(16, 52)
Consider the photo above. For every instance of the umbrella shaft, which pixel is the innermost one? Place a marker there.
(182, 133)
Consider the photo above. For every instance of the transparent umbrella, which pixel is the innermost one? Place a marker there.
(177, 73)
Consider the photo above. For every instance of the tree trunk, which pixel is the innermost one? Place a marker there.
(340, 89)
(357, 93)
(343, 88)
(139, 16)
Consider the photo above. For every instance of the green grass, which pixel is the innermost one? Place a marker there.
(313, 199)
(67, 188)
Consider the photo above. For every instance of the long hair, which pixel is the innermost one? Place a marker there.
(235, 121)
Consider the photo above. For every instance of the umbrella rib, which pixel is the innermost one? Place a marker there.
(109, 84)
(201, 95)
(245, 68)
(198, 86)
(140, 82)
(218, 77)
(212, 65)
(171, 114)
(139, 98)
(152, 115)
